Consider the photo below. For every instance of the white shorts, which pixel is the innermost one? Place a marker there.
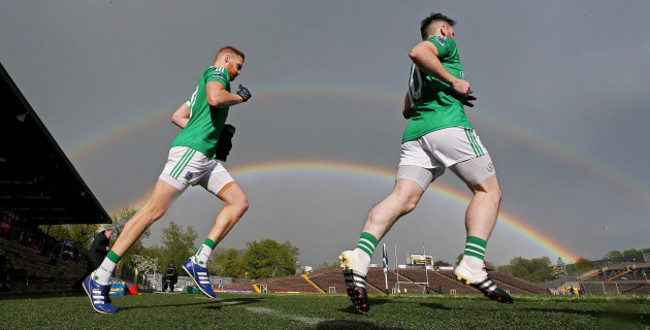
(186, 166)
(449, 147)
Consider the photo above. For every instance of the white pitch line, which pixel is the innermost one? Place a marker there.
(303, 319)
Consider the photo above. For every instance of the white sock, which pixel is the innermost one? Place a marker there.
(102, 275)
(474, 262)
(201, 257)
(363, 261)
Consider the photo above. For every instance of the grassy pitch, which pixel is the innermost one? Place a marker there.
(286, 311)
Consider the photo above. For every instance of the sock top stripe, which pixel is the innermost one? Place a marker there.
(367, 243)
(370, 237)
(211, 244)
(477, 240)
(475, 247)
(112, 256)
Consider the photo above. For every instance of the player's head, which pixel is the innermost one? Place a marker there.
(437, 24)
(232, 59)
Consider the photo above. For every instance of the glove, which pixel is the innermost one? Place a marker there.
(465, 99)
(244, 93)
(224, 144)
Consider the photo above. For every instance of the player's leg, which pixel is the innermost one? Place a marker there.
(96, 283)
(236, 205)
(381, 218)
(483, 209)
(415, 172)
(405, 196)
(175, 177)
(220, 183)
(155, 207)
(410, 184)
(480, 218)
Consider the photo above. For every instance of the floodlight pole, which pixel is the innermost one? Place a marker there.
(426, 270)
(396, 268)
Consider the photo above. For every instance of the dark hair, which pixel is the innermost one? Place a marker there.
(432, 18)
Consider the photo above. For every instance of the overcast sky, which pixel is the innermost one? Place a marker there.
(562, 106)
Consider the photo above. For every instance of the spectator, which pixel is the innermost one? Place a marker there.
(98, 250)
(4, 272)
(5, 227)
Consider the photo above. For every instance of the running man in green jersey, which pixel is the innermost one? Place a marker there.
(438, 136)
(191, 161)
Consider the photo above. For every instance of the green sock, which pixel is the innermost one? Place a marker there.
(367, 243)
(475, 247)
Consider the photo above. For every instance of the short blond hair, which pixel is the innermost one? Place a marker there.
(232, 50)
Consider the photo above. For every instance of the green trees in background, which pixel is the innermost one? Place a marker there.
(583, 265)
(228, 263)
(533, 270)
(177, 246)
(81, 235)
(268, 258)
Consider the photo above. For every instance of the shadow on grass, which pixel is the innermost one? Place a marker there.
(342, 324)
(614, 316)
(434, 306)
(212, 303)
(46, 295)
(353, 310)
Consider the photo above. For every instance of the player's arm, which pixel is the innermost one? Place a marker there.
(407, 111)
(219, 97)
(181, 116)
(425, 56)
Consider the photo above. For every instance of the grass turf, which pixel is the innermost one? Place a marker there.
(284, 311)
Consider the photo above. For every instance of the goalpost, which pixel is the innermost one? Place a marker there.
(426, 271)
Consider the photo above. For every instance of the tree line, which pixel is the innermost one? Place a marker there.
(542, 269)
(266, 258)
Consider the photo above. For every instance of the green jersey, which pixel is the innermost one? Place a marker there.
(435, 107)
(203, 130)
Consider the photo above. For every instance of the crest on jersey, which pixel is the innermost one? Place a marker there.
(188, 175)
(440, 39)
(218, 74)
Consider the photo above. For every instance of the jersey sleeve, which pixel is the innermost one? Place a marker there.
(444, 45)
(221, 77)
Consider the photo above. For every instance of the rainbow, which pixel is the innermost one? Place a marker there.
(324, 168)
(572, 158)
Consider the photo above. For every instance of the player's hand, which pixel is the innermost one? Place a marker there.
(461, 87)
(468, 101)
(244, 93)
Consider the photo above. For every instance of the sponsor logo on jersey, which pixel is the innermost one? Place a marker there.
(219, 74)
(462, 75)
(440, 39)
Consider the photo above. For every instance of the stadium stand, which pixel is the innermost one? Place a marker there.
(437, 282)
(38, 186)
(294, 283)
(520, 285)
(327, 279)
(30, 271)
(617, 279)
